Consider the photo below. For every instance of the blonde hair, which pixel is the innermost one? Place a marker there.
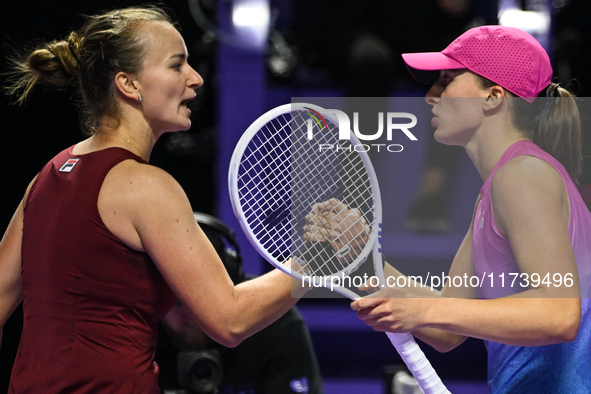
(89, 59)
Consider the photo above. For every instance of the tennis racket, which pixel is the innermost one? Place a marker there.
(290, 159)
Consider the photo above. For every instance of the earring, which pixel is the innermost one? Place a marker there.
(139, 99)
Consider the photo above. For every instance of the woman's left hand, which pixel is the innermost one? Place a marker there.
(393, 310)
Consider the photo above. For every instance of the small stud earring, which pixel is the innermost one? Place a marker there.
(139, 99)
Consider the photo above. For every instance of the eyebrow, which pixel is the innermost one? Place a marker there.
(181, 56)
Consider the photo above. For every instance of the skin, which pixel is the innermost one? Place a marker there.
(147, 209)
(530, 206)
(347, 227)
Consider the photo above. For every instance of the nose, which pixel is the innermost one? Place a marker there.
(432, 96)
(194, 80)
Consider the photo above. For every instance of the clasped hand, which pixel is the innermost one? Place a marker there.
(390, 309)
(345, 229)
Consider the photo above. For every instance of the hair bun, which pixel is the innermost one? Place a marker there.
(57, 62)
(74, 46)
(64, 52)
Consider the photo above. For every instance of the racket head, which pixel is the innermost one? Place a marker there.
(278, 171)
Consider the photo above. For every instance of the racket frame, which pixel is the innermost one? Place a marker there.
(404, 343)
(373, 242)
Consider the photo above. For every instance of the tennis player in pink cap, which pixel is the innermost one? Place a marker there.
(521, 277)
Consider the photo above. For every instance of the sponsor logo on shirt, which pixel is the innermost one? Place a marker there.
(68, 165)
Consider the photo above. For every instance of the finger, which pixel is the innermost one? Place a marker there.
(325, 205)
(323, 218)
(326, 232)
(367, 284)
(375, 315)
(362, 303)
(319, 235)
(315, 217)
(313, 237)
(326, 220)
(345, 215)
(368, 288)
(333, 204)
(327, 223)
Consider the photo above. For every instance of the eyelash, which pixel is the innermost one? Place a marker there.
(177, 67)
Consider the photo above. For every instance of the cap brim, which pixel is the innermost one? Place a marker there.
(425, 66)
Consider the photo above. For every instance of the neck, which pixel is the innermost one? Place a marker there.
(489, 144)
(135, 139)
(135, 148)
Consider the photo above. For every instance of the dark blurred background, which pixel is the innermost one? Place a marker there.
(313, 48)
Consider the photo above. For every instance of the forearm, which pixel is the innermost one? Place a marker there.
(261, 301)
(440, 340)
(517, 320)
(412, 286)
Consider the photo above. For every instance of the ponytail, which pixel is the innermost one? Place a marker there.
(54, 64)
(552, 121)
(559, 130)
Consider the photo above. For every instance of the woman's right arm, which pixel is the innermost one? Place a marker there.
(376, 308)
(11, 291)
(444, 341)
(321, 229)
(148, 210)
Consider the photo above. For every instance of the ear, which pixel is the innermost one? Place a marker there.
(127, 85)
(496, 94)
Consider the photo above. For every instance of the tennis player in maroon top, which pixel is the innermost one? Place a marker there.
(103, 242)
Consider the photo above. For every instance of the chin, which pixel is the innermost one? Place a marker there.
(181, 127)
(439, 136)
(442, 138)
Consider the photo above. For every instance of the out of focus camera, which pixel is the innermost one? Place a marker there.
(199, 372)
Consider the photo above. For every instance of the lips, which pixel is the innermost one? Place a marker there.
(186, 101)
(434, 121)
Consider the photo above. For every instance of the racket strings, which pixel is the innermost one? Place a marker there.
(343, 176)
(283, 174)
(264, 191)
(349, 229)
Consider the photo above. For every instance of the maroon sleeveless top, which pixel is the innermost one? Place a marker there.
(91, 303)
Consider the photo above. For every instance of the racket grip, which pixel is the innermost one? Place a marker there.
(417, 363)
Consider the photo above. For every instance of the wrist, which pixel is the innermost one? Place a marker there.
(434, 313)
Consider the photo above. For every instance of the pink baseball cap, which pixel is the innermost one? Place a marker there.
(507, 56)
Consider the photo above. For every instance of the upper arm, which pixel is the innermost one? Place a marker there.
(182, 252)
(11, 286)
(531, 208)
(147, 209)
(10, 266)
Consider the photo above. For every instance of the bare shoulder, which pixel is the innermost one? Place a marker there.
(527, 174)
(527, 187)
(139, 180)
(135, 196)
